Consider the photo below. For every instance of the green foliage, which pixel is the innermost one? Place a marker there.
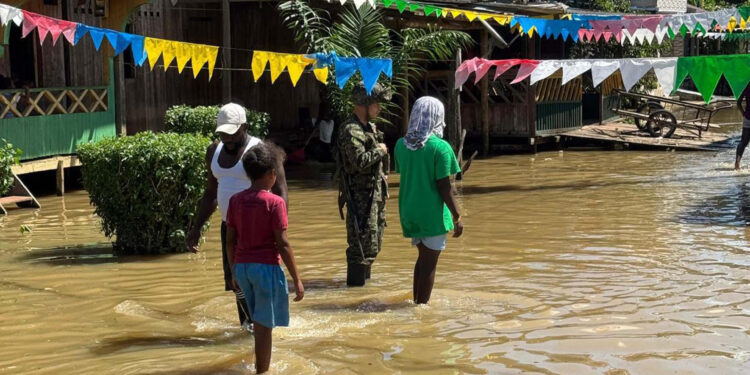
(8, 156)
(361, 32)
(146, 188)
(202, 120)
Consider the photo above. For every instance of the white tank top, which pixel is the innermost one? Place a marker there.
(231, 180)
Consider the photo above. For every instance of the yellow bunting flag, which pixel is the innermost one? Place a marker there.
(471, 16)
(732, 24)
(502, 20)
(169, 53)
(277, 61)
(321, 74)
(484, 16)
(213, 53)
(199, 57)
(184, 54)
(295, 65)
(455, 13)
(154, 48)
(260, 60)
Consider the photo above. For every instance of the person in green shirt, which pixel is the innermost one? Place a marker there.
(427, 204)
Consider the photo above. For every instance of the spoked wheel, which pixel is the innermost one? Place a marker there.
(661, 123)
(646, 108)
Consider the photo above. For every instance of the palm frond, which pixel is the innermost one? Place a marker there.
(309, 25)
(360, 32)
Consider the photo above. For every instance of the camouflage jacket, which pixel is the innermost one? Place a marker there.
(359, 156)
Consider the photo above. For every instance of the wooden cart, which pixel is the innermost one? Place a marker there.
(660, 116)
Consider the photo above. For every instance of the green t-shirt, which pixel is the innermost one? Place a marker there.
(423, 212)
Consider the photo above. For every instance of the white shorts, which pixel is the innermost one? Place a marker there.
(432, 243)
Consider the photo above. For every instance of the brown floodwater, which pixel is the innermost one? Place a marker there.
(575, 262)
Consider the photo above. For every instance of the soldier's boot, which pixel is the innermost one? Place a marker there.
(356, 274)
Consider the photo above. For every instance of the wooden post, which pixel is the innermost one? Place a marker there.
(405, 109)
(60, 178)
(121, 128)
(485, 93)
(453, 107)
(226, 75)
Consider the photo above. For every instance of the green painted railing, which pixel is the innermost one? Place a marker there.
(71, 116)
(558, 117)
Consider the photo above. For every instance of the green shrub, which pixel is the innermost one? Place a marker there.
(202, 120)
(146, 188)
(8, 157)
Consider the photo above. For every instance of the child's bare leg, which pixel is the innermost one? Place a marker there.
(415, 287)
(427, 262)
(263, 343)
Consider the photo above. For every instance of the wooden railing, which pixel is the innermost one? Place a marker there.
(50, 101)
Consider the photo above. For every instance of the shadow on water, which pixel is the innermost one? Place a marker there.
(731, 208)
(147, 342)
(82, 255)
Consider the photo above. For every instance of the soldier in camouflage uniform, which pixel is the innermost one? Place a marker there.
(361, 157)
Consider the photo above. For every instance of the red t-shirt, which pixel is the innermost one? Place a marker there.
(255, 215)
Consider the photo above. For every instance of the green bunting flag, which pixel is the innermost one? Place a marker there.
(707, 70)
(414, 7)
(439, 12)
(744, 12)
(401, 5)
(428, 10)
(387, 3)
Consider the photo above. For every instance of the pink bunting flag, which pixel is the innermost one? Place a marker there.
(483, 66)
(527, 67)
(581, 34)
(589, 35)
(598, 34)
(607, 35)
(651, 23)
(618, 36)
(46, 25)
(464, 70)
(502, 66)
(632, 25)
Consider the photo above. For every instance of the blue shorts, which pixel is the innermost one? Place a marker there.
(432, 243)
(266, 293)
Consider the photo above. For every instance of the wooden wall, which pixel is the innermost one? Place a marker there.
(257, 26)
(150, 92)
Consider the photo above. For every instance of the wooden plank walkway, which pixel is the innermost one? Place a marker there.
(628, 136)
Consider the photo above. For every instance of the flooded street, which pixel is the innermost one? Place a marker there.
(572, 262)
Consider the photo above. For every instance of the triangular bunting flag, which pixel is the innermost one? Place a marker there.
(527, 67)
(184, 52)
(321, 74)
(544, 69)
(664, 69)
(737, 73)
(401, 5)
(602, 69)
(632, 70)
(345, 69)
(573, 69)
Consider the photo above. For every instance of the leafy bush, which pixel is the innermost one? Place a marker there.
(202, 120)
(8, 157)
(146, 188)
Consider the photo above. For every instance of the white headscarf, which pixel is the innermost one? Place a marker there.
(427, 118)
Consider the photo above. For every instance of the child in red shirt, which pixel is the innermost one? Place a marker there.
(256, 244)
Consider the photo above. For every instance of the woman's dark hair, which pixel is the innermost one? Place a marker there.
(260, 159)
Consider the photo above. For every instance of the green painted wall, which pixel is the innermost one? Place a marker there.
(558, 117)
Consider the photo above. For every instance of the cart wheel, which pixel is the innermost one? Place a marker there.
(661, 123)
(646, 108)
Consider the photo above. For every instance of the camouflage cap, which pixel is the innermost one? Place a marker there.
(379, 93)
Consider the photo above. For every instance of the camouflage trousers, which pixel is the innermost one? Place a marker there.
(371, 220)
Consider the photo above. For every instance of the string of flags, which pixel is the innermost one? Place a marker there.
(589, 27)
(706, 71)
(199, 55)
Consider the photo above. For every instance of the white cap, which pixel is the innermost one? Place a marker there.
(231, 117)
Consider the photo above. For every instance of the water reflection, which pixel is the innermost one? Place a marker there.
(572, 263)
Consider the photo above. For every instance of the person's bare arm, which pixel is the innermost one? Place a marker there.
(287, 255)
(280, 188)
(446, 192)
(207, 204)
